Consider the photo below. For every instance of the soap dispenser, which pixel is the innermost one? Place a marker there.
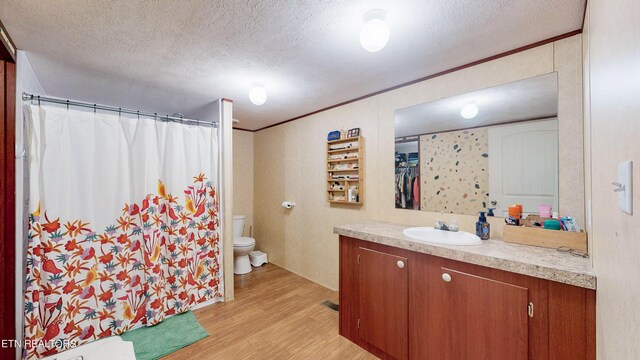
(483, 230)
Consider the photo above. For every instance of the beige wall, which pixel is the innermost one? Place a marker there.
(290, 160)
(614, 75)
(243, 176)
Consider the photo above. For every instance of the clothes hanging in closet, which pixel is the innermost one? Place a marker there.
(407, 187)
(416, 193)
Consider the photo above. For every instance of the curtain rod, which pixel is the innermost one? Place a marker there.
(38, 98)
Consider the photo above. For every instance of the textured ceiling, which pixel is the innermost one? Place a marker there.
(527, 99)
(175, 56)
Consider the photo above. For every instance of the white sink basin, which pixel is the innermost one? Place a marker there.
(431, 235)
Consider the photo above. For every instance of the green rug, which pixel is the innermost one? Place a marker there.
(170, 335)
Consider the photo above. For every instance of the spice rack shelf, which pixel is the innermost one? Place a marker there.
(345, 171)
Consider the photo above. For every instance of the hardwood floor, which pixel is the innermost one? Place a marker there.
(275, 315)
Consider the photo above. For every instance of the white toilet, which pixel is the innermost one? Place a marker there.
(242, 246)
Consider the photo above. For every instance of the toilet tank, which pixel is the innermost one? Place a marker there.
(238, 225)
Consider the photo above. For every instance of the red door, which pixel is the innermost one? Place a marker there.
(383, 301)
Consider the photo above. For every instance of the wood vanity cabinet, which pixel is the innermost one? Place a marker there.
(461, 312)
(399, 304)
(383, 285)
(374, 297)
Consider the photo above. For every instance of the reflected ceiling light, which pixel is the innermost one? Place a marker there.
(469, 111)
(257, 95)
(375, 31)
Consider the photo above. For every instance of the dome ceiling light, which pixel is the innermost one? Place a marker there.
(258, 95)
(469, 111)
(374, 34)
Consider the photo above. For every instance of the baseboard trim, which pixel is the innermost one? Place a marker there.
(302, 276)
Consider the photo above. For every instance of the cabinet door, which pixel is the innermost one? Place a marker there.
(383, 301)
(475, 318)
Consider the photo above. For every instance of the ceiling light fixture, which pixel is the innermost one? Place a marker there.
(257, 95)
(374, 34)
(469, 111)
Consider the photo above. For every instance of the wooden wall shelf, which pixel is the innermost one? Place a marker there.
(345, 157)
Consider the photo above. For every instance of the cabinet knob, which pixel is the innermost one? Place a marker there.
(446, 277)
(401, 264)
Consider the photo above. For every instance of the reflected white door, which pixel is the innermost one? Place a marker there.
(523, 165)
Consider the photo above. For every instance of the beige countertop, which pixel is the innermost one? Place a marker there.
(543, 263)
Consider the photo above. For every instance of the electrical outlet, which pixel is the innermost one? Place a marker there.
(625, 187)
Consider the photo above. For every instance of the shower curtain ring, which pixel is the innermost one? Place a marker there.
(38, 100)
(95, 107)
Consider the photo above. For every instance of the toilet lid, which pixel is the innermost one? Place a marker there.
(244, 241)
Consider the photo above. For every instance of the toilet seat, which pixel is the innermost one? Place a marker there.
(244, 241)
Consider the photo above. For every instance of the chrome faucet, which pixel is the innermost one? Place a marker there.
(441, 225)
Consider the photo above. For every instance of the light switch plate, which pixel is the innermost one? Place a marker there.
(625, 178)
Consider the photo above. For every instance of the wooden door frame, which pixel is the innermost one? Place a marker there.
(7, 192)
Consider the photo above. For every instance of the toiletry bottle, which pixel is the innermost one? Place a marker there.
(483, 230)
(515, 213)
(352, 194)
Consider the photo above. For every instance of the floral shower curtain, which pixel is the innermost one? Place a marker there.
(124, 224)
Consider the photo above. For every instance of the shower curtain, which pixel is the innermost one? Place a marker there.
(124, 224)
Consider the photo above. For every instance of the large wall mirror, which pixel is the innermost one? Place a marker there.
(490, 148)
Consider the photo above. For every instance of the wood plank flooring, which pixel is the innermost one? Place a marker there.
(275, 315)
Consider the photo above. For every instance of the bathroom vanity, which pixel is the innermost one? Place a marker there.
(408, 299)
